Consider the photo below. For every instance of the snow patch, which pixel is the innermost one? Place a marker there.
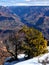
(21, 56)
(33, 61)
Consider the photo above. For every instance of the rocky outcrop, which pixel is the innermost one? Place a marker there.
(3, 53)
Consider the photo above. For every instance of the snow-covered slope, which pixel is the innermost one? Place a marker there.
(40, 60)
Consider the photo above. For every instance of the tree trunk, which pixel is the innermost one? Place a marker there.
(16, 52)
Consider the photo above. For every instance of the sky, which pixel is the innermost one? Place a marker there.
(24, 2)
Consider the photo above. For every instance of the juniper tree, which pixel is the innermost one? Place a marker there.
(35, 44)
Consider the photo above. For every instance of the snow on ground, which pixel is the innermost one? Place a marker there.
(48, 48)
(33, 61)
(44, 57)
(21, 56)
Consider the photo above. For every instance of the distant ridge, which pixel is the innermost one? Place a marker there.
(8, 20)
(35, 16)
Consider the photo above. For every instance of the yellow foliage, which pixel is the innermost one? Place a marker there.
(35, 41)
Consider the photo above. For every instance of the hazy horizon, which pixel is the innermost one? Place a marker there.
(24, 3)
